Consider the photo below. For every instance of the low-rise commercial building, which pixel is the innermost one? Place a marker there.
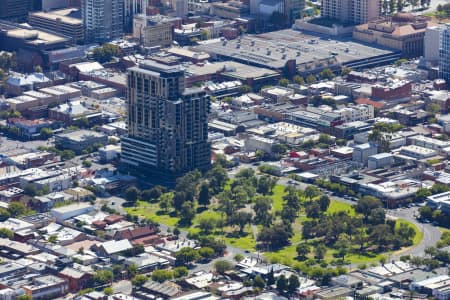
(427, 142)
(16, 84)
(361, 112)
(80, 140)
(46, 287)
(380, 160)
(30, 129)
(74, 110)
(440, 201)
(361, 153)
(417, 152)
(69, 211)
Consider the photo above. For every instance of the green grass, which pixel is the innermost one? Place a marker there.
(246, 242)
(443, 229)
(419, 234)
(277, 196)
(151, 211)
(288, 254)
(337, 206)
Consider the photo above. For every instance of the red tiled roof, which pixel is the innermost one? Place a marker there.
(370, 102)
(111, 219)
(136, 233)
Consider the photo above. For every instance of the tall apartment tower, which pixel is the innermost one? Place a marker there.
(102, 20)
(15, 10)
(351, 11)
(444, 54)
(167, 124)
(132, 8)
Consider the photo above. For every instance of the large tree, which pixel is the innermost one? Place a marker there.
(131, 194)
(262, 208)
(241, 219)
(186, 256)
(367, 204)
(218, 177)
(203, 195)
(302, 250)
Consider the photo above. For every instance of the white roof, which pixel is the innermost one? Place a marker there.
(86, 67)
(112, 247)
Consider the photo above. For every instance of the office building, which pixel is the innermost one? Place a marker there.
(351, 11)
(290, 8)
(155, 30)
(47, 5)
(59, 21)
(102, 20)
(180, 7)
(293, 10)
(167, 124)
(229, 10)
(431, 44)
(15, 10)
(361, 153)
(444, 54)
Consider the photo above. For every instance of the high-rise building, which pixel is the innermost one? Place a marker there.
(131, 8)
(167, 124)
(180, 7)
(444, 54)
(293, 9)
(102, 19)
(431, 44)
(351, 11)
(15, 10)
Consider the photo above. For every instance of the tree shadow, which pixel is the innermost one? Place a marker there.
(128, 204)
(236, 234)
(201, 209)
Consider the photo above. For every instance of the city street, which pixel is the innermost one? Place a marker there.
(431, 234)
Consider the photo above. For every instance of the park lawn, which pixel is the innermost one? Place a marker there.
(443, 229)
(152, 211)
(419, 234)
(355, 257)
(337, 206)
(246, 242)
(277, 197)
(288, 254)
(206, 214)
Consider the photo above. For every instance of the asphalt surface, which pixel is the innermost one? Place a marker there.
(431, 234)
(7, 144)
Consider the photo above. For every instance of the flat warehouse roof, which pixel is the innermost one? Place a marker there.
(274, 49)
